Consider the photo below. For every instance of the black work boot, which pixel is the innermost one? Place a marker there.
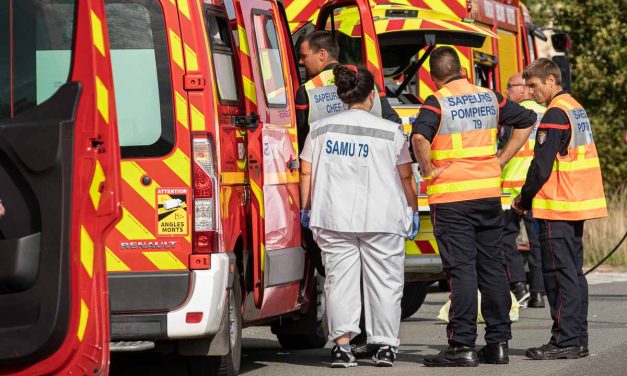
(550, 351)
(454, 356)
(583, 351)
(536, 300)
(494, 353)
(521, 293)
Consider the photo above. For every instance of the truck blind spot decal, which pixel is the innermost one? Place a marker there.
(172, 218)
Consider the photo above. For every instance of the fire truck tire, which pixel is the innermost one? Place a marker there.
(414, 295)
(230, 363)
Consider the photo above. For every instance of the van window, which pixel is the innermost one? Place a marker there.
(269, 56)
(141, 76)
(345, 24)
(33, 65)
(222, 53)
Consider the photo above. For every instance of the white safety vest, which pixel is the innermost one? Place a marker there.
(355, 182)
(323, 98)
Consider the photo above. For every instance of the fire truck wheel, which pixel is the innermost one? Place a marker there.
(230, 364)
(414, 295)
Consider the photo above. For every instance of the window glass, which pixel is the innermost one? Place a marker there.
(345, 23)
(42, 52)
(222, 52)
(141, 77)
(269, 56)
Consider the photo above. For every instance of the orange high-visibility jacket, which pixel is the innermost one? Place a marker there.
(574, 190)
(467, 139)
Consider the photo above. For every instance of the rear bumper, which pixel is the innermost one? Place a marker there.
(423, 268)
(207, 296)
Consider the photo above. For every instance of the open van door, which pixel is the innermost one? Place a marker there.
(59, 184)
(268, 70)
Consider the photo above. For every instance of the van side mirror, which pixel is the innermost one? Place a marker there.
(560, 41)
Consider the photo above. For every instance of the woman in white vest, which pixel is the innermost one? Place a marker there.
(358, 200)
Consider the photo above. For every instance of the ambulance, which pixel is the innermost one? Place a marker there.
(393, 39)
(177, 121)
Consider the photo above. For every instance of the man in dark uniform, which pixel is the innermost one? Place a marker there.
(318, 53)
(315, 100)
(454, 138)
(563, 188)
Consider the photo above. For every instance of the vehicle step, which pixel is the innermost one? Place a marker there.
(131, 346)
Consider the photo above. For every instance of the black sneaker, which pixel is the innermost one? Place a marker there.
(521, 293)
(385, 356)
(341, 358)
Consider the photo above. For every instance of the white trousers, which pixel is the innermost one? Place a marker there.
(378, 259)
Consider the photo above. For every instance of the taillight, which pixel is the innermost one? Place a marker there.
(203, 181)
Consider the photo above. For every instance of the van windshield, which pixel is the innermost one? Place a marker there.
(35, 52)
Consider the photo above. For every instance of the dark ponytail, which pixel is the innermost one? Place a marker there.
(353, 84)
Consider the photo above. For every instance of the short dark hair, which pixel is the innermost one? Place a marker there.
(444, 63)
(353, 84)
(323, 40)
(543, 68)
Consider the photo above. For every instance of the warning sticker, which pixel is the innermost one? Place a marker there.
(172, 218)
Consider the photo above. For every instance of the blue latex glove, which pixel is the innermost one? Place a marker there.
(415, 226)
(304, 217)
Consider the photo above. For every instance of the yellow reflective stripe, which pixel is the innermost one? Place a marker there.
(114, 264)
(232, 178)
(132, 174)
(96, 33)
(461, 186)
(243, 40)
(164, 260)
(249, 89)
(411, 248)
(184, 8)
(440, 6)
(564, 103)
(176, 48)
(479, 151)
(259, 196)
(181, 110)
(516, 169)
(198, 119)
(179, 163)
(87, 252)
(597, 203)
(456, 138)
(131, 228)
(191, 61)
(94, 187)
(82, 321)
(582, 164)
(102, 99)
(371, 50)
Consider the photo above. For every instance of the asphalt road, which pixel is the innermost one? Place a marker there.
(423, 334)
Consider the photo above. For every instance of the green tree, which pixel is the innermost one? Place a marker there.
(597, 29)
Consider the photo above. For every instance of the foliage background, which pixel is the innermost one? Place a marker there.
(598, 30)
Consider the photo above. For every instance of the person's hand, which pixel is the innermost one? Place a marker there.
(436, 171)
(516, 205)
(304, 217)
(2, 211)
(415, 226)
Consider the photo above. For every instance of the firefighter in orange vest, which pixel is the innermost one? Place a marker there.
(563, 188)
(512, 180)
(454, 138)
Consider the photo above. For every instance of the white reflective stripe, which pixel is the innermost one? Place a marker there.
(353, 131)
